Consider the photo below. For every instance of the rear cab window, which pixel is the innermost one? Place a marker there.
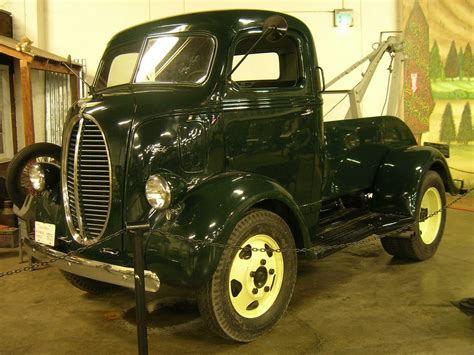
(269, 65)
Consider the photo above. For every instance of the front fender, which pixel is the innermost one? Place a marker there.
(207, 213)
(399, 177)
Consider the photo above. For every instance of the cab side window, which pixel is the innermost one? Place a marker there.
(270, 64)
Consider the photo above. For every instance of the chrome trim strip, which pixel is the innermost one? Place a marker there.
(113, 274)
(68, 128)
(75, 177)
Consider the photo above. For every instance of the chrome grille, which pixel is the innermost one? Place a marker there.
(86, 181)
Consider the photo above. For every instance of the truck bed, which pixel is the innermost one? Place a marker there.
(356, 148)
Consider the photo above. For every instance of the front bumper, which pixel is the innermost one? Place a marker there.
(96, 270)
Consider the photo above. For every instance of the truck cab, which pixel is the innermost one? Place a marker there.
(209, 128)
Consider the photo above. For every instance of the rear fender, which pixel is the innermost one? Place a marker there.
(208, 213)
(399, 177)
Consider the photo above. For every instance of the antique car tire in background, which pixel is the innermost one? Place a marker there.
(16, 170)
(87, 285)
(264, 281)
(427, 234)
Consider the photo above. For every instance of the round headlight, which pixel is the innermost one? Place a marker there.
(158, 192)
(37, 177)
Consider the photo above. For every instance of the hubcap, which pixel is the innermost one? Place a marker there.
(261, 277)
(255, 277)
(430, 203)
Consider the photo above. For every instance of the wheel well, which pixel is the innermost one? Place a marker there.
(441, 170)
(287, 214)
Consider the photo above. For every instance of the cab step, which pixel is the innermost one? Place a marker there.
(355, 226)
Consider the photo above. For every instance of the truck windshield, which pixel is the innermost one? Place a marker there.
(176, 59)
(117, 65)
(165, 59)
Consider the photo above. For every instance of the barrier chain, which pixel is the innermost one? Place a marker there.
(317, 250)
(52, 260)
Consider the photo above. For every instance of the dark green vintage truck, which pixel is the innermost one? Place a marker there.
(185, 131)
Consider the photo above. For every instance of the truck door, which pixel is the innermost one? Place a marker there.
(269, 113)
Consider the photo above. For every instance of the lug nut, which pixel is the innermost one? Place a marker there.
(252, 273)
(255, 291)
(267, 288)
(263, 262)
(271, 271)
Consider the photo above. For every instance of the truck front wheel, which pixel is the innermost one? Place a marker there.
(428, 231)
(251, 288)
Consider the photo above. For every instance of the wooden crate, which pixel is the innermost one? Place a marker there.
(8, 237)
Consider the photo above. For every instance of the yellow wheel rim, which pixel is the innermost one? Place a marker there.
(255, 277)
(430, 203)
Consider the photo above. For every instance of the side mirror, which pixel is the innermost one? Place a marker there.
(275, 28)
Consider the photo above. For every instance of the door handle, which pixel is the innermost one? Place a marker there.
(307, 112)
(323, 81)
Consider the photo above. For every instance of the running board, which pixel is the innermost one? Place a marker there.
(343, 232)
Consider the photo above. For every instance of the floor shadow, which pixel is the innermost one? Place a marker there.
(466, 306)
(8, 252)
(400, 261)
(166, 312)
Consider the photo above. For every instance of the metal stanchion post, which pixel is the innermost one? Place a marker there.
(136, 231)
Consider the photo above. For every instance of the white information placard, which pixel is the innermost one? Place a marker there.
(44, 233)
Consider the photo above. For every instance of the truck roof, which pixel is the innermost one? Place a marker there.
(217, 22)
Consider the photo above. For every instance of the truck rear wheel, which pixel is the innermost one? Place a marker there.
(251, 289)
(87, 285)
(428, 233)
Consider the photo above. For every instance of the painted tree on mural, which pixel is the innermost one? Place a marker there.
(465, 132)
(461, 63)
(436, 66)
(450, 30)
(468, 62)
(418, 101)
(451, 69)
(447, 131)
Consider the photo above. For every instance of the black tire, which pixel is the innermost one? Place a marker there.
(222, 301)
(16, 169)
(421, 247)
(87, 285)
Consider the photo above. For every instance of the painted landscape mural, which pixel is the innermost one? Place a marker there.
(439, 77)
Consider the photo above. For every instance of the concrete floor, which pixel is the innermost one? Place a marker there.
(357, 301)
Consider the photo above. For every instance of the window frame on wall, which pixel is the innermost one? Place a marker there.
(5, 115)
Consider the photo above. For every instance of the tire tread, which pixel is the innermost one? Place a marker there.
(212, 310)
